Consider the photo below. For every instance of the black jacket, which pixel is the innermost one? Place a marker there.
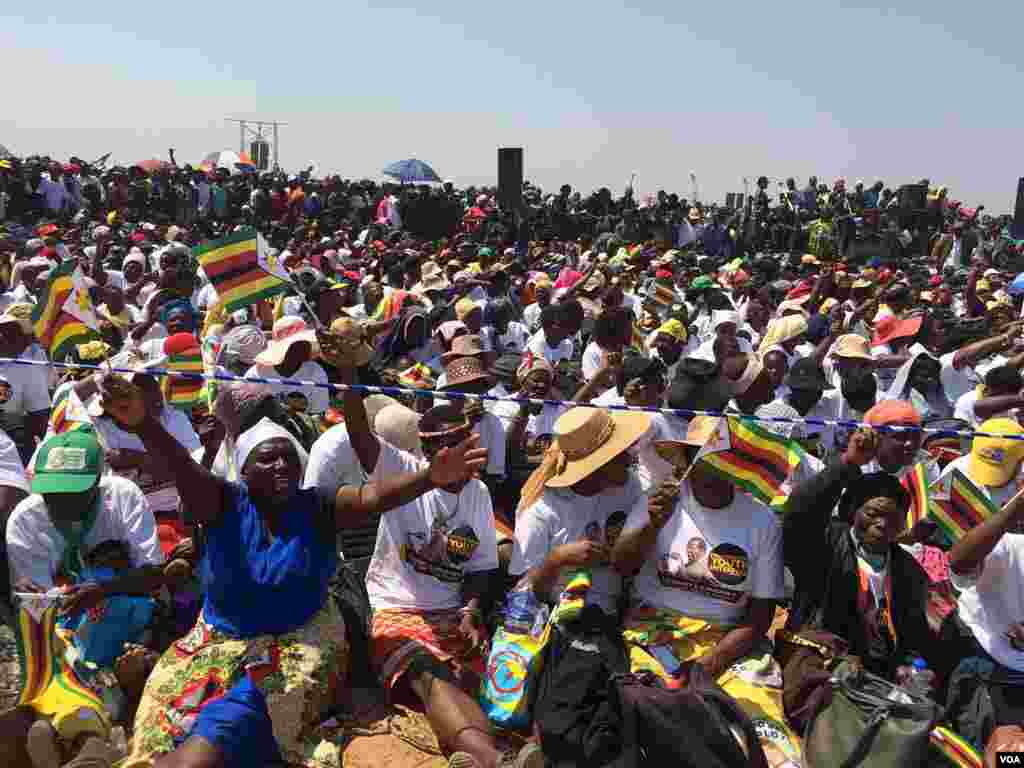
(820, 553)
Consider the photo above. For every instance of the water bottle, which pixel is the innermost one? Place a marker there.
(919, 681)
(521, 612)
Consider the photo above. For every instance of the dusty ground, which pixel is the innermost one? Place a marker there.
(9, 674)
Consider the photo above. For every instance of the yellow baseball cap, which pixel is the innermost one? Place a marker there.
(994, 460)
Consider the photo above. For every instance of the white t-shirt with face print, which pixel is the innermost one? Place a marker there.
(425, 548)
(709, 563)
(561, 516)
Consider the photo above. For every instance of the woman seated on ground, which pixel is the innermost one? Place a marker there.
(432, 568)
(270, 551)
(857, 592)
(708, 565)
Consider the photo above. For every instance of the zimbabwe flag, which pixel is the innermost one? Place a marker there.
(966, 507)
(756, 459)
(64, 316)
(241, 269)
(916, 485)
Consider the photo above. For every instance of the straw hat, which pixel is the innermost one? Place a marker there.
(352, 341)
(287, 331)
(589, 438)
(851, 345)
(433, 278)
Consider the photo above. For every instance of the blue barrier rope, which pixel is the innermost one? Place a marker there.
(454, 395)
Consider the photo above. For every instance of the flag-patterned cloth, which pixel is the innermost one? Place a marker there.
(183, 355)
(64, 316)
(963, 507)
(242, 269)
(954, 748)
(68, 412)
(49, 684)
(755, 459)
(916, 484)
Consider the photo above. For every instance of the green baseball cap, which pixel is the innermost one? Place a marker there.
(68, 463)
(702, 282)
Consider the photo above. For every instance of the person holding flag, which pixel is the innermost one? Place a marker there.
(708, 565)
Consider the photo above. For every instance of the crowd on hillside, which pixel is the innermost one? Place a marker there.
(224, 577)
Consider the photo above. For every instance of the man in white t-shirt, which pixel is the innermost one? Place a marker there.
(24, 389)
(290, 355)
(553, 341)
(988, 568)
(431, 566)
(74, 507)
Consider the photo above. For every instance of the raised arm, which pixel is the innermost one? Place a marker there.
(978, 543)
(355, 505)
(200, 490)
(809, 507)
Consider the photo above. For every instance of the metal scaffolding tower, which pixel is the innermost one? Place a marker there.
(256, 131)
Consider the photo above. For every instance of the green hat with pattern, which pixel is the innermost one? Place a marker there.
(70, 462)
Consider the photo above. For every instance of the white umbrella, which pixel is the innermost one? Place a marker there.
(228, 159)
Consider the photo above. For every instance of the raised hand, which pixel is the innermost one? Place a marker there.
(457, 464)
(124, 401)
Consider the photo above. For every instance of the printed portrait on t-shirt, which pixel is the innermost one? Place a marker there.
(5, 391)
(720, 573)
(443, 553)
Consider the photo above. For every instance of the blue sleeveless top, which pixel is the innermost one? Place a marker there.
(258, 586)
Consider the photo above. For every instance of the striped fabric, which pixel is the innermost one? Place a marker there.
(240, 269)
(49, 684)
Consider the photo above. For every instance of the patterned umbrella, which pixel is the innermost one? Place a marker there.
(227, 159)
(411, 172)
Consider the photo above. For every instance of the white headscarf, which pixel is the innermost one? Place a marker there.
(263, 431)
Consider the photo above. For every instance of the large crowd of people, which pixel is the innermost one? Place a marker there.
(222, 577)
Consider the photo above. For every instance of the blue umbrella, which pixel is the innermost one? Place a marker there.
(411, 172)
(1017, 286)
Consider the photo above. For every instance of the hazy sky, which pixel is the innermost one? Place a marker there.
(592, 91)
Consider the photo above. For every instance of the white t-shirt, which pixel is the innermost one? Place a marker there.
(318, 397)
(513, 341)
(333, 463)
(492, 437)
(12, 471)
(593, 359)
(29, 391)
(561, 516)
(826, 409)
(35, 547)
(163, 495)
(609, 397)
(538, 345)
(885, 376)
(425, 548)
(992, 600)
(706, 351)
(709, 563)
(531, 316)
(956, 382)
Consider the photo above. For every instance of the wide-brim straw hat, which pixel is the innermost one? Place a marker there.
(588, 438)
